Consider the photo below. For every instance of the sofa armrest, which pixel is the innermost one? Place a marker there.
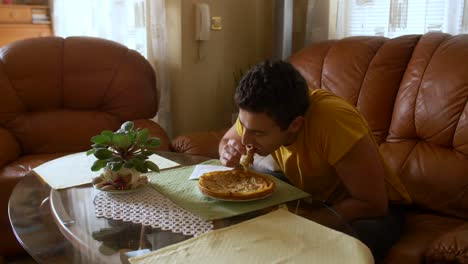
(155, 130)
(451, 247)
(199, 143)
(10, 148)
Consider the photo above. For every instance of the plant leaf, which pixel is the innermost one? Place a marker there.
(153, 142)
(141, 168)
(107, 133)
(136, 161)
(139, 165)
(121, 140)
(96, 146)
(115, 166)
(116, 159)
(128, 164)
(89, 152)
(148, 153)
(132, 135)
(98, 164)
(142, 135)
(103, 154)
(152, 166)
(100, 139)
(141, 157)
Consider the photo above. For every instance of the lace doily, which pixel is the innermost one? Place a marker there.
(150, 208)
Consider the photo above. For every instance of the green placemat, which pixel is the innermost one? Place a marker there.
(175, 185)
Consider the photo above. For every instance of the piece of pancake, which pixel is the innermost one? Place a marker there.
(247, 159)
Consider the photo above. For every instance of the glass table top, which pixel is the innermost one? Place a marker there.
(60, 226)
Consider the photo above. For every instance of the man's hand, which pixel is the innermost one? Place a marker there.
(231, 148)
(231, 153)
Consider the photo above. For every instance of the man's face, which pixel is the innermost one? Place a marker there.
(262, 132)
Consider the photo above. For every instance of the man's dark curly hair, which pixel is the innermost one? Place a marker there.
(276, 89)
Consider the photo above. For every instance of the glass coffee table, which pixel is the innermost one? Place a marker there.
(61, 226)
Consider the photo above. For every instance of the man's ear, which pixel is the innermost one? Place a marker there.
(296, 124)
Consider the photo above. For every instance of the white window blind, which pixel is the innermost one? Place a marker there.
(393, 18)
(367, 18)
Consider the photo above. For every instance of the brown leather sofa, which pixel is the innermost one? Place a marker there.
(413, 90)
(55, 94)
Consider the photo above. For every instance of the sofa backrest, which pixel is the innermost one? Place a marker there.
(56, 93)
(413, 91)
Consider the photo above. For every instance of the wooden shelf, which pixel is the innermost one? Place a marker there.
(16, 22)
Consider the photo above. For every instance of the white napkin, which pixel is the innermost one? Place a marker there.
(75, 169)
(201, 169)
(265, 163)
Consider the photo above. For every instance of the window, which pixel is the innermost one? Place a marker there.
(118, 20)
(393, 18)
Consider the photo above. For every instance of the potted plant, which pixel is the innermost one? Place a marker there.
(123, 155)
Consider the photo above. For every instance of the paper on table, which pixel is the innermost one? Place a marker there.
(277, 237)
(199, 170)
(75, 169)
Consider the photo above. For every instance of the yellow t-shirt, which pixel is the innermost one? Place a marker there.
(332, 126)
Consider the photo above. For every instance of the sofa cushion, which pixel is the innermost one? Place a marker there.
(434, 176)
(366, 71)
(421, 229)
(9, 146)
(199, 143)
(428, 136)
(59, 130)
(451, 247)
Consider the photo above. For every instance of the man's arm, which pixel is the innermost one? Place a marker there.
(362, 173)
(230, 148)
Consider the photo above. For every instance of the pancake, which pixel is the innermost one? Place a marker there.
(236, 185)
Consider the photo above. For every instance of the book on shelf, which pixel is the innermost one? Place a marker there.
(40, 16)
(44, 22)
(38, 10)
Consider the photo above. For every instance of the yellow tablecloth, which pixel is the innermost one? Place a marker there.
(277, 237)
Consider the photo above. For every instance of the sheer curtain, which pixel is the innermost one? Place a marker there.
(158, 56)
(137, 24)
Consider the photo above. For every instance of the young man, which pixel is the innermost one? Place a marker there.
(323, 146)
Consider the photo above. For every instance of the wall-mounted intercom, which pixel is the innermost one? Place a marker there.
(202, 21)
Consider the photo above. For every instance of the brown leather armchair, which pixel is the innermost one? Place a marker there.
(413, 91)
(56, 94)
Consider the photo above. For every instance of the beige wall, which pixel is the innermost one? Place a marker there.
(202, 89)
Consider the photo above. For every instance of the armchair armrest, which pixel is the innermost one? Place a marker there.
(9, 146)
(451, 247)
(155, 130)
(199, 143)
